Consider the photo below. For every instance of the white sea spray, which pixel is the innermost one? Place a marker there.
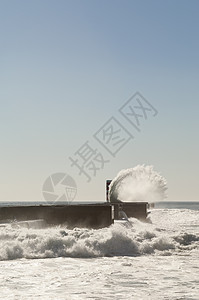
(141, 183)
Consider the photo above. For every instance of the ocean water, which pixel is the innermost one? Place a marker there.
(153, 260)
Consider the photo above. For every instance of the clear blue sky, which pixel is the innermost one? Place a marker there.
(66, 67)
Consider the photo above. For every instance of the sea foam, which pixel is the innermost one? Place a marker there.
(132, 238)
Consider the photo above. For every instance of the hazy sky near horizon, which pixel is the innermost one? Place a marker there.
(67, 67)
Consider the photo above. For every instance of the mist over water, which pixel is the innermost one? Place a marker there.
(138, 184)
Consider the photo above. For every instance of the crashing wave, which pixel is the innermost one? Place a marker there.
(140, 183)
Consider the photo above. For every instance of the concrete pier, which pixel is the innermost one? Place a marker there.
(81, 215)
(75, 215)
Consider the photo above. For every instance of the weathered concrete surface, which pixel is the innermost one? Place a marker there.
(85, 215)
(136, 210)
